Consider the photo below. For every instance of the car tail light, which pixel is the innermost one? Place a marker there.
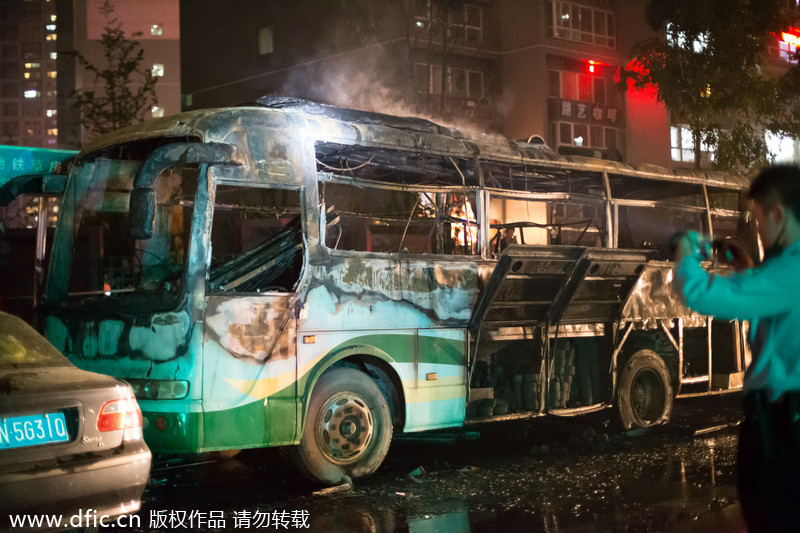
(122, 414)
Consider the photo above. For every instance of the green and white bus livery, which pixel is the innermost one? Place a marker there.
(295, 274)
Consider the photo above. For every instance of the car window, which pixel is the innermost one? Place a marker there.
(22, 346)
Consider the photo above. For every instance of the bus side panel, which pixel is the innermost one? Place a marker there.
(430, 365)
(249, 372)
(438, 396)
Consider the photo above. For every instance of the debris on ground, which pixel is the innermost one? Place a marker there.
(347, 486)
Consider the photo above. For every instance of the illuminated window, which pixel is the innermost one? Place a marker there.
(32, 93)
(51, 74)
(32, 65)
(27, 75)
(265, 40)
(50, 27)
(51, 112)
(586, 135)
(578, 22)
(157, 29)
(682, 146)
(157, 111)
(53, 55)
(51, 37)
(782, 148)
(787, 45)
(157, 70)
(53, 132)
(53, 18)
(678, 39)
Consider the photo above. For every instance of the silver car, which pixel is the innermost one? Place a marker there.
(71, 447)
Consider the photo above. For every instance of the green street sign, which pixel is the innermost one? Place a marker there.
(21, 161)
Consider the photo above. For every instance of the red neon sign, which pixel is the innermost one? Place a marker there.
(593, 67)
(791, 36)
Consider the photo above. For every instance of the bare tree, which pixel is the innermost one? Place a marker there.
(126, 89)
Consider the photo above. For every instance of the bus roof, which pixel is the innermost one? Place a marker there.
(381, 132)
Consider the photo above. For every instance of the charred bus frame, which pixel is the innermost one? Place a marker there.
(298, 274)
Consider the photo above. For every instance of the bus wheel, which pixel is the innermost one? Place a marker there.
(347, 429)
(644, 396)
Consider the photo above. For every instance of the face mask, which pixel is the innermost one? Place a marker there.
(776, 249)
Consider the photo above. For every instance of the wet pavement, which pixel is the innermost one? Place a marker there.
(551, 475)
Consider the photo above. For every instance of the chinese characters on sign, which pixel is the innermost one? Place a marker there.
(585, 111)
(19, 161)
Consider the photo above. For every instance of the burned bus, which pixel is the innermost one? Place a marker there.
(295, 274)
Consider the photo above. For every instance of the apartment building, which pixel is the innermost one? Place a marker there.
(519, 67)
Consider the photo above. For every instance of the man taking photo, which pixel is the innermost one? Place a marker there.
(767, 295)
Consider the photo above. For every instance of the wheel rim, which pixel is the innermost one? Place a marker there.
(344, 428)
(647, 397)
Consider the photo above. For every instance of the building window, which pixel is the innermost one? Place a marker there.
(422, 9)
(265, 40)
(32, 93)
(678, 39)
(577, 22)
(467, 23)
(581, 112)
(459, 83)
(463, 83)
(157, 111)
(782, 148)
(51, 112)
(576, 86)
(157, 70)
(428, 78)
(682, 146)
(156, 30)
(787, 47)
(586, 135)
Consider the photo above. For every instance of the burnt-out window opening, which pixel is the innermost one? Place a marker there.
(256, 240)
(516, 221)
(542, 220)
(395, 166)
(653, 226)
(374, 219)
(661, 191)
(650, 212)
(577, 223)
(539, 179)
(113, 263)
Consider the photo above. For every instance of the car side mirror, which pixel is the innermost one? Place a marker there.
(142, 213)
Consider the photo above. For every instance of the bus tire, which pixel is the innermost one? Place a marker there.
(347, 430)
(644, 395)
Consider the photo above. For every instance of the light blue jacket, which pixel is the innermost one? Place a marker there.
(769, 297)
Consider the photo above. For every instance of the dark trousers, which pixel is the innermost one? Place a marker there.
(769, 462)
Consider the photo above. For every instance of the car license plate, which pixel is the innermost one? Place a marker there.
(18, 431)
